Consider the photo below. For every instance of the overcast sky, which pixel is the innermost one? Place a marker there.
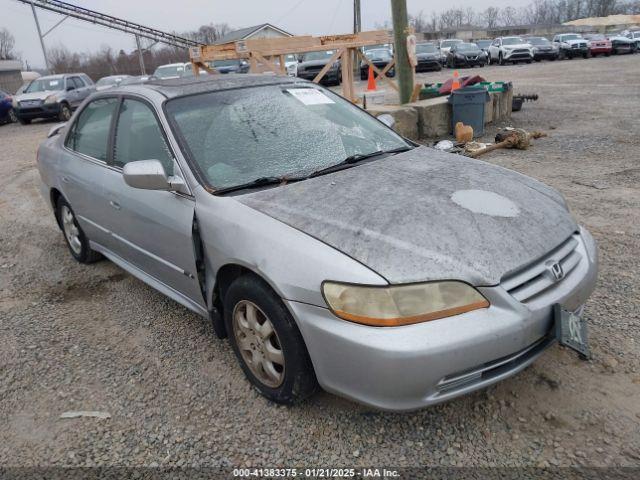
(295, 16)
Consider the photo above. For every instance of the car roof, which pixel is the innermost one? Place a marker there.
(179, 64)
(179, 87)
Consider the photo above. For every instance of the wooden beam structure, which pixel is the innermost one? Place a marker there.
(267, 54)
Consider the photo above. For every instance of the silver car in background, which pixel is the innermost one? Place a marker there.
(52, 96)
(327, 248)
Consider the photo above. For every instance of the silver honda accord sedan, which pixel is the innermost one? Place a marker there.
(326, 247)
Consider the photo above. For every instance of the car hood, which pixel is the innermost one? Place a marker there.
(517, 46)
(574, 41)
(36, 95)
(313, 63)
(471, 53)
(426, 215)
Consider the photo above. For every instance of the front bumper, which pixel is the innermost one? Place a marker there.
(414, 366)
(469, 62)
(41, 111)
(546, 55)
(330, 76)
(516, 55)
(575, 52)
(424, 65)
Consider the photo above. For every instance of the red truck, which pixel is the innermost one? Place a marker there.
(599, 45)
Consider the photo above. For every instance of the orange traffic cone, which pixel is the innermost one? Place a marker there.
(456, 83)
(371, 84)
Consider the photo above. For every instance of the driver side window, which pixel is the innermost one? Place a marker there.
(90, 132)
(139, 137)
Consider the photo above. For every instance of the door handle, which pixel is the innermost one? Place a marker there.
(114, 204)
(65, 179)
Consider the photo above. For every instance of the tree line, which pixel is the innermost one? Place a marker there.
(538, 12)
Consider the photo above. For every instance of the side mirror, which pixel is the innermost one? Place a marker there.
(150, 175)
(387, 119)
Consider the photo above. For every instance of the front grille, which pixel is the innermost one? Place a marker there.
(537, 277)
(493, 369)
(472, 57)
(519, 51)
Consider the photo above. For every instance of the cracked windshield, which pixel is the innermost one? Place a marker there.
(237, 136)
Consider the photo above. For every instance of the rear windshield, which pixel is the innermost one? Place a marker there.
(538, 41)
(318, 55)
(426, 48)
(169, 71)
(449, 43)
(464, 47)
(512, 41)
(45, 85)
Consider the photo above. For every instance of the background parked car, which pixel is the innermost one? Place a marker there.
(621, 44)
(571, 45)
(428, 57)
(598, 45)
(136, 79)
(510, 49)
(543, 49)
(312, 62)
(169, 71)
(109, 82)
(445, 46)
(466, 55)
(484, 45)
(380, 57)
(7, 114)
(235, 65)
(53, 96)
(635, 36)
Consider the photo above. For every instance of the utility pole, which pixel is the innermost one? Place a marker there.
(140, 56)
(357, 17)
(400, 32)
(41, 37)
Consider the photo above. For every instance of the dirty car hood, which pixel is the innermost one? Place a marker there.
(397, 216)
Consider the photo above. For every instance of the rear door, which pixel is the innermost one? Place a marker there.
(153, 229)
(84, 168)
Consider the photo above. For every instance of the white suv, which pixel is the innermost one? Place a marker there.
(510, 49)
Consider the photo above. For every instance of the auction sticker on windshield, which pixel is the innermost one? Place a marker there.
(310, 96)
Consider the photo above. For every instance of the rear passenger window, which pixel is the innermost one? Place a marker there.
(90, 133)
(139, 137)
(78, 83)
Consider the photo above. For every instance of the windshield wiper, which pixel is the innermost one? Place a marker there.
(259, 182)
(351, 160)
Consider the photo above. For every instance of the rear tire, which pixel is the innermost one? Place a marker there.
(75, 238)
(267, 342)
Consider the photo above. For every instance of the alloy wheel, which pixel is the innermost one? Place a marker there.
(65, 113)
(71, 231)
(258, 343)
(13, 118)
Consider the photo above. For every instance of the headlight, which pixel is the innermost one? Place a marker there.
(50, 99)
(401, 305)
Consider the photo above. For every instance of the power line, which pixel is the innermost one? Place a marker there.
(112, 22)
(289, 11)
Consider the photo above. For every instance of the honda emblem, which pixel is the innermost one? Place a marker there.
(556, 270)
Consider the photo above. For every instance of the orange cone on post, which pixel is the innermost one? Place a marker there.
(456, 83)
(371, 83)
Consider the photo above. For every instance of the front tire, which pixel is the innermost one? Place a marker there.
(13, 118)
(267, 342)
(65, 113)
(501, 59)
(75, 238)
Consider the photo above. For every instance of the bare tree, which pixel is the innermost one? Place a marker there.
(7, 42)
(418, 22)
(490, 17)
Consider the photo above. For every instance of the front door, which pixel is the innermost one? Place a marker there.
(153, 229)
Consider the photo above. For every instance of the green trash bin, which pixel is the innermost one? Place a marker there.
(467, 105)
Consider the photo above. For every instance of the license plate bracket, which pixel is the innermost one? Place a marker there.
(571, 330)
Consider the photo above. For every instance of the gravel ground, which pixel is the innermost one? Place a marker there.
(80, 337)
